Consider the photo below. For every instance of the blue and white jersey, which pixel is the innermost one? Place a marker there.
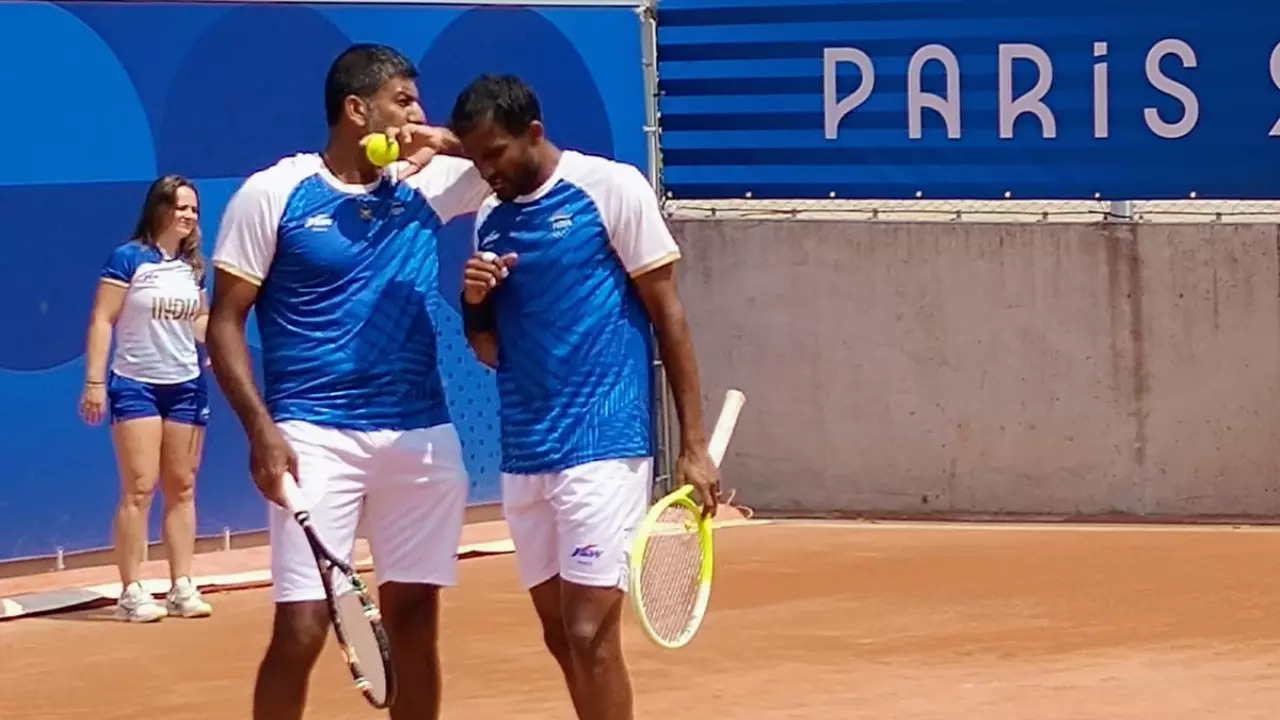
(574, 341)
(155, 340)
(348, 278)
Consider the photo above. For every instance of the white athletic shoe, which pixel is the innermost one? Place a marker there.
(184, 600)
(137, 605)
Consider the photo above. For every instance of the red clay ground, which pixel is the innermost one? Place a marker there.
(831, 621)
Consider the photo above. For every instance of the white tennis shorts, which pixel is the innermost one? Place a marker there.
(405, 490)
(577, 523)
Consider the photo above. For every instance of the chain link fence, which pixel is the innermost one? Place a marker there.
(924, 210)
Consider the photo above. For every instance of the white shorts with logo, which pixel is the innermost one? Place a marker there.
(577, 523)
(405, 490)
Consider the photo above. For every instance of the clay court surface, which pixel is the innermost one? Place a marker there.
(808, 620)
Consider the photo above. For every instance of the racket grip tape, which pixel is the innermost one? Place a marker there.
(725, 424)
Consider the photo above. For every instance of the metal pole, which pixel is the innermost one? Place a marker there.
(664, 459)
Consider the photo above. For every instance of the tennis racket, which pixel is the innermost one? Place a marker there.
(357, 622)
(672, 555)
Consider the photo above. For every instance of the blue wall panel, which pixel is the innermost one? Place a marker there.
(103, 96)
(743, 106)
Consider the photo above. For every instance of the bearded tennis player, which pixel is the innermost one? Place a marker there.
(339, 260)
(574, 270)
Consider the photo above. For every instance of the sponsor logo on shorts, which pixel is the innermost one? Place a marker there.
(586, 553)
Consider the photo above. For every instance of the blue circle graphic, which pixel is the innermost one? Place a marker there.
(48, 277)
(523, 42)
(74, 115)
(250, 92)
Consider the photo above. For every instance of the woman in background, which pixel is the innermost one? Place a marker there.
(151, 294)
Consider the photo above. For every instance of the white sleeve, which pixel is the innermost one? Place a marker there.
(247, 234)
(638, 231)
(451, 185)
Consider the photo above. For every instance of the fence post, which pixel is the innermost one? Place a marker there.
(1121, 210)
(664, 463)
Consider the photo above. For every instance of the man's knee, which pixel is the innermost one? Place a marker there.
(589, 638)
(591, 623)
(411, 611)
(299, 632)
(548, 605)
(556, 637)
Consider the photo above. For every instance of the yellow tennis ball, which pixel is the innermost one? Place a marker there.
(381, 151)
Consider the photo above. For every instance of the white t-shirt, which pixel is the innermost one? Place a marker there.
(155, 331)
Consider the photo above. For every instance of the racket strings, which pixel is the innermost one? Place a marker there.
(671, 576)
(362, 650)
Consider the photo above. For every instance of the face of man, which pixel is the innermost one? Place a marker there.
(508, 162)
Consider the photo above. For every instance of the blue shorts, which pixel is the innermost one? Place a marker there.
(184, 402)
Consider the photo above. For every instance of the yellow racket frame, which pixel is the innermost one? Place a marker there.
(649, 527)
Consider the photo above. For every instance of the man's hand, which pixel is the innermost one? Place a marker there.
(694, 467)
(482, 273)
(419, 144)
(270, 458)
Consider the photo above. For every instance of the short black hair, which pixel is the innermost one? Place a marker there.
(360, 70)
(505, 99)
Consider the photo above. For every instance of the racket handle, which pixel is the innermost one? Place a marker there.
(720, 434)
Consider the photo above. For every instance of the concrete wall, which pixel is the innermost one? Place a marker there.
(1068, 369)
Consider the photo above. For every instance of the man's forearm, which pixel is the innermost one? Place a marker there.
(481, 328)
(675, 347)
(233, 368)
(450, 145)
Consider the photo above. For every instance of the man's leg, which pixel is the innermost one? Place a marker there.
(297, 637)
(592, 622)
(531, 521)
(550, 607)
(598, 506)
(411, 615)
(330, 478)
(414, 513)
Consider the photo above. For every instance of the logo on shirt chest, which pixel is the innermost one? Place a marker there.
(527, 234)
(561, 224)
(394, 209)
(318, 222)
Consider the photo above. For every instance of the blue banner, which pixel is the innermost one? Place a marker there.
(1112, 99)
(108, 95)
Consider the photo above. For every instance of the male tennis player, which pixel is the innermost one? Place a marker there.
(573, 265)
(339, 260)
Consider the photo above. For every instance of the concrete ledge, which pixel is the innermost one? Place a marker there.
(92, 596)
(238, 569)
(102, 557)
